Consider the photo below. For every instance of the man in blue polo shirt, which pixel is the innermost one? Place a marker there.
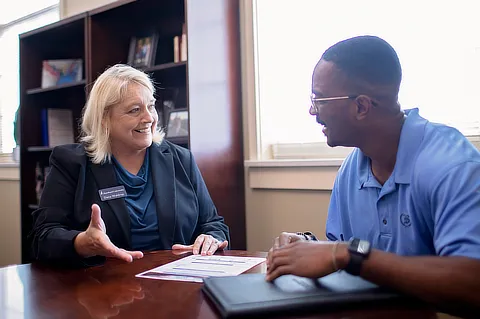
(405, 208)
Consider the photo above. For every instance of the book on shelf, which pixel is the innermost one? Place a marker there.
(183, 44)
(176, 49)
(58, 72)
(57, 127)
(180, 46)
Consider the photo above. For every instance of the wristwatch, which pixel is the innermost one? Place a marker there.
(359, 251)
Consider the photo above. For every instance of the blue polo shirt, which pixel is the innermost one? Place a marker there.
(430, 205)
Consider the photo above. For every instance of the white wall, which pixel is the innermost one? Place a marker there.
(72, 7)
(10, 243)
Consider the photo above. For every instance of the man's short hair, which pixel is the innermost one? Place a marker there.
(367, 58)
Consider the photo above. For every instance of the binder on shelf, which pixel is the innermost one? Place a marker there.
(57, 127)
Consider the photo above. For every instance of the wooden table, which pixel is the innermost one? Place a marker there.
(112, 290)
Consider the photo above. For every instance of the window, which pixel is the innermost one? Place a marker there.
(18, 19)
(439, 53)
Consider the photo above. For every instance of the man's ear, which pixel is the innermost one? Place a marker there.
(364, 105)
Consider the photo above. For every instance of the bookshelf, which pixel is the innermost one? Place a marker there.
(207, 85)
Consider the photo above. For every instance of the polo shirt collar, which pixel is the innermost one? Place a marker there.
(365, 176)
(411, 136)
(413, 132)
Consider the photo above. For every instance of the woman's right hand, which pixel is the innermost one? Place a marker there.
(95, 242)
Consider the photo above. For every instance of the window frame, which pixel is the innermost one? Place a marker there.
(6, 159)
(289, 154)
(280, 154)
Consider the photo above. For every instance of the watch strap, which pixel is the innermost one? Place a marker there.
(359, 250)
(354, 265)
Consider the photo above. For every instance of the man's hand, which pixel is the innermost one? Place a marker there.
(311, 259)
(286, 238)
(95, 242)
(282, 240)
(204, 244)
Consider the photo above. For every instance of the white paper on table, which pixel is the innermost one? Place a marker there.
(196, 267)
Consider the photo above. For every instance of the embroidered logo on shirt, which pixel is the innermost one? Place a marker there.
(405, 220)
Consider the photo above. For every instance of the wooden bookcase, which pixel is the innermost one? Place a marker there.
(208, 85)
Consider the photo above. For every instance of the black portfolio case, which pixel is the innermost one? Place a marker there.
(250, 295)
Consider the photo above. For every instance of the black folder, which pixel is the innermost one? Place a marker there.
(250, 295)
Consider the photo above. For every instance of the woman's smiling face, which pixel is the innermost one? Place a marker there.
(133, 122)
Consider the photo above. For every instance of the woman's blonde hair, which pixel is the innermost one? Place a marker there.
(109, 89)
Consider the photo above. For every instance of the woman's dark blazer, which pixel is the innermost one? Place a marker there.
(184, 207)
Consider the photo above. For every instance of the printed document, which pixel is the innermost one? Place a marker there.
(196, 267)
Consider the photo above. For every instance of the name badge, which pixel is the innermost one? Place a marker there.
(112, 193)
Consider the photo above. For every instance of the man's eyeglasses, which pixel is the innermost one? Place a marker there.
(317, 102)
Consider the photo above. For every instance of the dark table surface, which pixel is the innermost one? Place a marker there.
(112, 291)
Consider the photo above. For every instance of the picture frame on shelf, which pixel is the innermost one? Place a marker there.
(142, 50)
(60, 72)
(177, 124)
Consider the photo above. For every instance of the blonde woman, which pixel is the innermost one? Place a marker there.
(123, 189)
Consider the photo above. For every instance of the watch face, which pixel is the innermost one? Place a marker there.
(363, 247)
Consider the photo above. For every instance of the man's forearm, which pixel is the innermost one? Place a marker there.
(444, 281)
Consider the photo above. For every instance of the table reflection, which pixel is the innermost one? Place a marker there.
(107, 299)
(11, 303)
